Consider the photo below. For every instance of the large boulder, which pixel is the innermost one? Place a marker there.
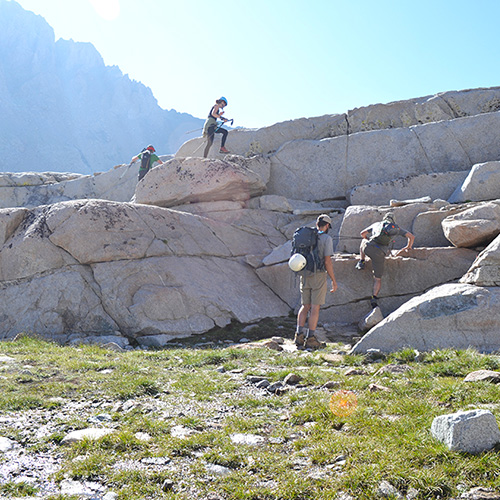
(436, 186)
(188, 180)
(392, 115)
(359, 217)
(481, 184)
(328, 168)
(427, 226)
(33, 189)
(404, 277)
(454, 315)
(485, 271)
(94, 268)
(475, 226)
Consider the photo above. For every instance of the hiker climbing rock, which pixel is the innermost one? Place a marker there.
(315, 247)
(212, 127)
(148, 158)
(376, 243)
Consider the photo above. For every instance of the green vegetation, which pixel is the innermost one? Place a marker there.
(307, 453)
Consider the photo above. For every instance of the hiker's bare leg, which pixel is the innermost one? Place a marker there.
(314, 317)
(377, 285)
(302, 315)
(362, 255)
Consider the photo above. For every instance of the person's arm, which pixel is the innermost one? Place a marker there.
(329, 270)
(409, 243)
(365, 233)
(216, 113)
(135, 158)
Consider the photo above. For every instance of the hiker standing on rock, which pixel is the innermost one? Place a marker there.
(211, 128)
(313, 285)
(148, 158)
(375, 244)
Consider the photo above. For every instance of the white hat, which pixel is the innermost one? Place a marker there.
(297, 262)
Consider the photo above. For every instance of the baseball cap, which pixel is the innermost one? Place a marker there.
(324, 218)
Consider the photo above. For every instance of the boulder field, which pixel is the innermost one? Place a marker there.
(199, 243)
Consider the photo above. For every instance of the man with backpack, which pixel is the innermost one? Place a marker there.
(313, 279)
(377, 239)
(148, 158)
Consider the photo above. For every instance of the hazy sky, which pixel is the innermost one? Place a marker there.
(276, 60)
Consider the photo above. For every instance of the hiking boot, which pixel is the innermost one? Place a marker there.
(374, 302)
(314, 343)
(299, 340)
(360, 265)
(223, 150)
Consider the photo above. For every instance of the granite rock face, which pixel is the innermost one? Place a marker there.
(448, 316)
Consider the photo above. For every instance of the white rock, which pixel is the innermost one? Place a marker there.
(434, 185)
(474, 226)
(482, 183)
(455, 316)
(374, 317)
(336, 165)
(473, 431)
(6, 444)
(91, 433)
(184, 180)
(246, 439)
(181, 432)
(485, 271)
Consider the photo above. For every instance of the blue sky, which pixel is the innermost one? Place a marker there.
(276, 60)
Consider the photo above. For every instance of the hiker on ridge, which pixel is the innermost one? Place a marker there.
(148, 158)
(313, 287)
(375, 244)
(211, 128)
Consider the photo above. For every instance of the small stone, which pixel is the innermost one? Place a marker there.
(248, 439)
(483, 375)
(387, 490)
(292, 379)
(393, 369)
(218, 470)
(374, 355)
(168, 485)
(142, 436)
(481, 493)
(90, 433)
(263, 384)
(6, 444)
(376, 387)
(271, 344)
(332, 384)
(354, 371)
(275, 387)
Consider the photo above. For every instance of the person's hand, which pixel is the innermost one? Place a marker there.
(334, 287)
(402, 251)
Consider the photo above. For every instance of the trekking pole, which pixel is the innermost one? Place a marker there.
(195, 130)
(222, 123)
(126, 170)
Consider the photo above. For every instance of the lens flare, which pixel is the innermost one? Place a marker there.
(343, 403)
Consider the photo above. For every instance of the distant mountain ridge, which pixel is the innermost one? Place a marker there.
(63, 110)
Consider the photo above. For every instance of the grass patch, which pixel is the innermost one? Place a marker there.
(305, 451)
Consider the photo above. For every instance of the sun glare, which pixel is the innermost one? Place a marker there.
(107, 9)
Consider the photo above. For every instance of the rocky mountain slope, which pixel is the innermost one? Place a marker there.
(199, 243)
(63, 110)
